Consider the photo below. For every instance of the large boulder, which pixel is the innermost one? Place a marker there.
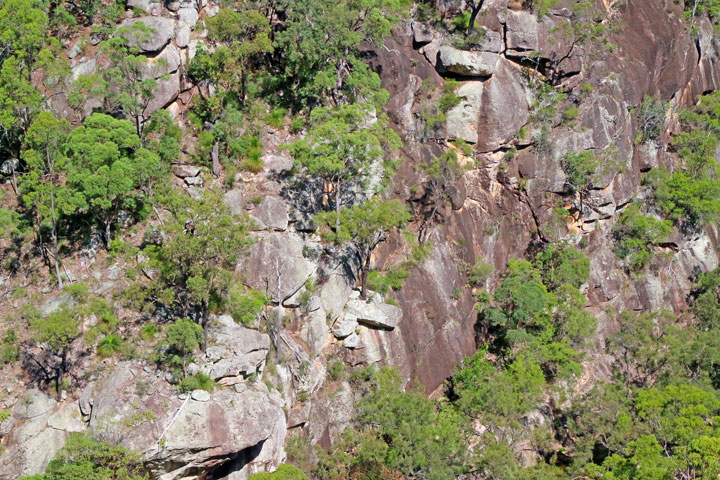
(166, 92)
(271, 214)
(379, 315)
(166, 62)
(181, 437)
(462, 120)
(163, 30)
(276, 265)
(236, 353)
(148, 7)
(464, 62)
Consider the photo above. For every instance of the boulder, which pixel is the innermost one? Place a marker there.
(200, 396)
(243, 432)
(163, 30)
(165, 93)
(352, 342)
(522, 31)
(373, 314)
(278, 163)
(182, 35)
(83, 68)
(271, 214)
(345, 326)
(314, 331)
(237, 351)
(148, 7)
(505, 107)
(234, 200)
(188, 16)
(184, 171)
(463, 62)
(166, 62)
(462, 119)
(276, 265)
(10, 165)
(422, 34)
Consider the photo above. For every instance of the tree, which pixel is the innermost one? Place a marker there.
(201, 245)
(443, 172)
(342, 144)
(247, 35)
(580, 169)
(365, 226)
(320, 59)
(636, 235)
(82, 456)
(131, 81)
(44, 190)
(57, 331)
(107, 166)
(182, 338)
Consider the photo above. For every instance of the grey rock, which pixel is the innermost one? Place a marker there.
(194, 181)
(234, 200)
(149, 7)
(182, 35)
(463, 62)
(189, 16)
(375, 315)
(200, 396)
(34, 404)
(314, 304)
(83, 68)
(345, 326)
(166, 62)
(278, 163)
(9, 166)
(184, 171)
(173, 6)
(462, 119)
(75, 50)
(164, 28)
(67, 418)
(522, 31)
(238, 351)
(165, 93)
(212, 10)
(314, 331)
(273, 214)
(276, 263)
(422, 33)
(353, 341)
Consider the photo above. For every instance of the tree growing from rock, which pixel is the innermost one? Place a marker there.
(195, 263)
(343, 144)
(44, 190)
(443, 172)
(364, 226)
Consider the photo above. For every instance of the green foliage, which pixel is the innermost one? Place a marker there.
(9, 221)
(321, 60)
(196, 260)
(580, 169)
(9, 349)
(199, 381)
(283, 472)
(562, 264)
(84, 457)
(478, 274)
(57, 330)
(182, 338)
(398, 431)
(245, 305)
(636, 235)
(110, 345)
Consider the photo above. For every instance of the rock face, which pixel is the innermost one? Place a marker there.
(271, 214)
(242, 432)
(163, 30)
(379, 315)
(237, 351)
(462, 62)
(276, 265)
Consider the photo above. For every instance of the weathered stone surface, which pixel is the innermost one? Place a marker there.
(165, 62)
(276, 264)
(353, 341)
(188, 16)
(505, 107)
(237, 351)
(86, 67)
(164, 28)
(522, 31)
(184, 171)
(345, 326)
(247, 428)
(462, 119)
(200, 396)
(149, 7)
(463, 62)
(182, 35)
(278, 163)
(234, 200)
(165, 93)
(421, 33)
(373, 314)
(67, 418)
(271, 214)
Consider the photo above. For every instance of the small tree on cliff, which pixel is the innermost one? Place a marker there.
(365, 227)
(341, 145)
(195, 262)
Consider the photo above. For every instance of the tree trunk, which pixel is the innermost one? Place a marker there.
(204, 323)
(215, 155)
(337, 207)
(473, 17)
(53, 233)
(107, 232)
(364, 269)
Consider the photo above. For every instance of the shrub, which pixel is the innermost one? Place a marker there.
(245, 306)
(478, 274)
(651, 118)
(110, 345)
(283, 472)
(636, 235)
(199, 381)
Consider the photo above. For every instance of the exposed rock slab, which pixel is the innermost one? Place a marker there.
(464, 62)
(163, 31)
(380, 315)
